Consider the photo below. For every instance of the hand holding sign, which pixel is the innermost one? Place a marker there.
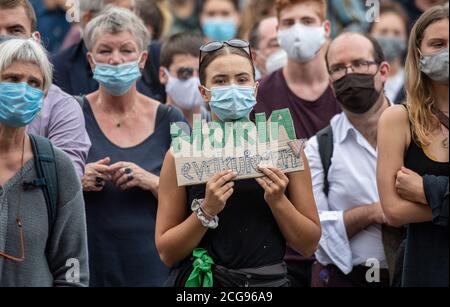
(274, 184)
(218, 190)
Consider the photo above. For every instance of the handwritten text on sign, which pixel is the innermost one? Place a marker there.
(239, 146)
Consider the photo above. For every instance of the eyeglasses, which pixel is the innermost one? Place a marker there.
(360, 67)
(22, 249)
(214, 46)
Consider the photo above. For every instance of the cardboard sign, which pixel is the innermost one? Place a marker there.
(240, 146)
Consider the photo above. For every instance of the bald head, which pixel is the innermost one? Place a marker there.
(350, 46)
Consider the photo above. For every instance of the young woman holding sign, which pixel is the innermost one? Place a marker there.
(233, 233)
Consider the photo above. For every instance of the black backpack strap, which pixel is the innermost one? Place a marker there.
(45, 163)
(326, 147)
(80, 100)
(163, 110)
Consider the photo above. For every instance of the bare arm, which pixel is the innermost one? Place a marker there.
(297, 216)
(393, 139)
(177, 231)
(361, 217)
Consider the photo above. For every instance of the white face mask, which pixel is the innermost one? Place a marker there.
(302, 42)
(276, 60)
(184, 93)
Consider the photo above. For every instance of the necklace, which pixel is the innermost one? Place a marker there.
(443, 119)
(118, 123)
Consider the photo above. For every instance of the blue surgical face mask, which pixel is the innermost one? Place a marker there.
(220, 29)
(117, 79)
(233, 102)
(19, 104)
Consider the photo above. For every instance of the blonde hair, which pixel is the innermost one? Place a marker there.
(420, 96)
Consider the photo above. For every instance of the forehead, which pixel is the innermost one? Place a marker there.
(115, 39)
(230, 64)
(437, 30)
(186, 60)
(268, 26)
(301, 10)
(14, 16)
(22, 68)
(218, 5)
(391, 17)
(340, 53)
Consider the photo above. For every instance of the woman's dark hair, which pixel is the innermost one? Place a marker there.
(180, 43)
(152, 16)
(208, 58)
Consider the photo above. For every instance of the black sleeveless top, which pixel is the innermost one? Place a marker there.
(426, 261)
(248, 235)
(121, 224)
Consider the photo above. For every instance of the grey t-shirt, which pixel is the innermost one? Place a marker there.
(67, 248)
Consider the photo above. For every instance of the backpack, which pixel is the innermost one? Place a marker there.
(47, 176)
(326, 147)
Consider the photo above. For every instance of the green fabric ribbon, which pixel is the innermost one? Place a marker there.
(202, 275)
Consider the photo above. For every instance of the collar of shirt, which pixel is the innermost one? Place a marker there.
(344, 130)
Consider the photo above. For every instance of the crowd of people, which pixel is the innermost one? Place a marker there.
(88, 182)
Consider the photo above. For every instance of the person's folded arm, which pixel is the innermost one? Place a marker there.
(393, 139)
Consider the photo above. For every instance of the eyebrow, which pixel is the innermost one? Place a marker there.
(11, 74)
(353, 61)
(220, 76)
(433, 39)
(104, 46)
(18, 25)
(121, 45)
(242, 74)
(287, 19)
(127, 44)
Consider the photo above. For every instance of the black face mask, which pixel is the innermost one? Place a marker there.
(356, 92)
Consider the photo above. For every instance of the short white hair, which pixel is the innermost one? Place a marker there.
(26, 51)
(116, 20)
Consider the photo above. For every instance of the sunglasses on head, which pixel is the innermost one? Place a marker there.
(214, 46)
